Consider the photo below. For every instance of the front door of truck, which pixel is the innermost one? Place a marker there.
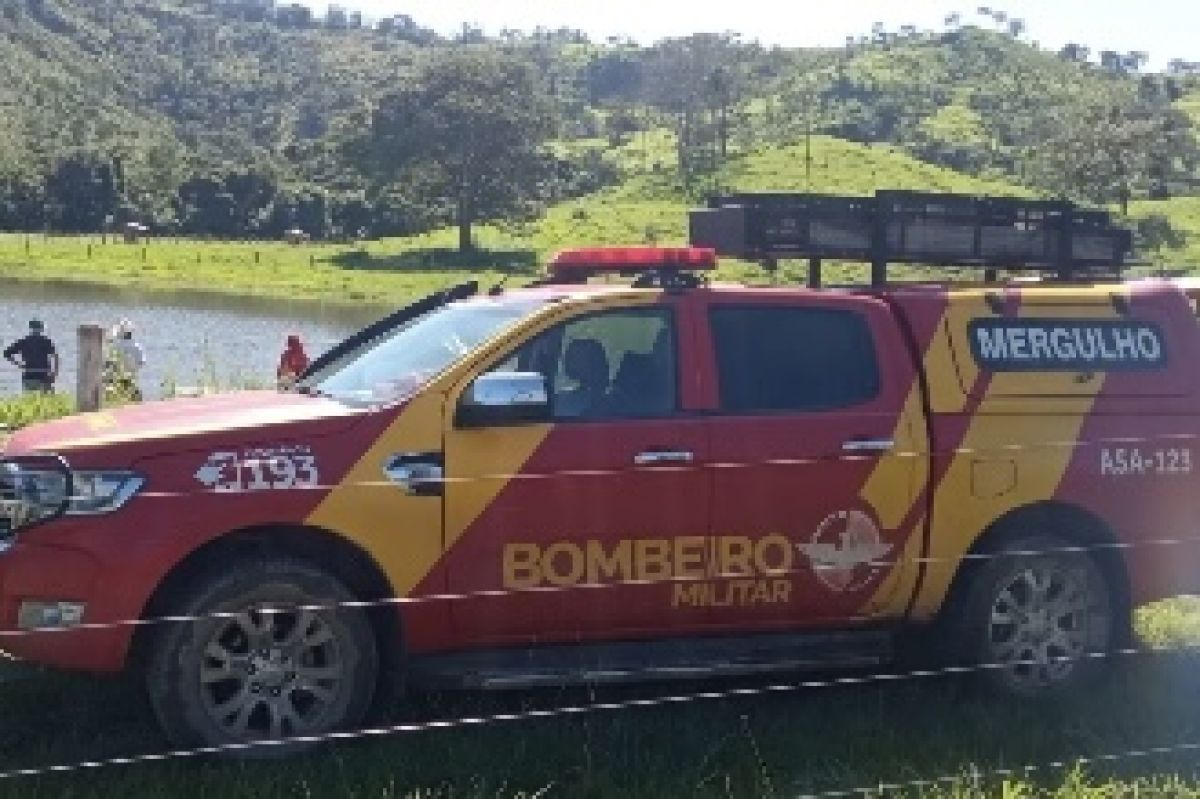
(817, 422)
(566, 529)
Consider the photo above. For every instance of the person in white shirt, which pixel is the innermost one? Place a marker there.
(125, 360)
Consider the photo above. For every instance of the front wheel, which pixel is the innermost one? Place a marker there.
(273, 654)
(1036, 617)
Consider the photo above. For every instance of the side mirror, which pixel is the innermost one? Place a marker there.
(499, 399)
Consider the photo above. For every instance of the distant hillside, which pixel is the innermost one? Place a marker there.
(172, 90)
(179, 112)
(645, 208)
(1190, 105)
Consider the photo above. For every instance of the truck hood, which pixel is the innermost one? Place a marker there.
(161, 426)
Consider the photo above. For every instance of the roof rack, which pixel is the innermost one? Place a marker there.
(907, 227)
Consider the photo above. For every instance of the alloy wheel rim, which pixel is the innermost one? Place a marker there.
(270, 673)
(1039, 622)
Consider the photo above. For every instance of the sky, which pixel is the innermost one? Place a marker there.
(1164, 28)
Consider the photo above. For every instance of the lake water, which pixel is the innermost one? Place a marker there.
(188, 337)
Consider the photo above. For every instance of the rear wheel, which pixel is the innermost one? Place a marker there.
(1035, 616)
(274, 654)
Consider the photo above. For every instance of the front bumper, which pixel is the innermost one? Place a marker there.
(37, 573)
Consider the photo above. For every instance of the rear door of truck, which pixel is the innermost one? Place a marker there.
(818, 450)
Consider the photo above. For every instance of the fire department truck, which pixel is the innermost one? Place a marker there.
(628, 472)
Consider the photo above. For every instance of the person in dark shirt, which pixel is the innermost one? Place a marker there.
(37, 359)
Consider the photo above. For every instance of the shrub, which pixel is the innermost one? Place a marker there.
(18, 412)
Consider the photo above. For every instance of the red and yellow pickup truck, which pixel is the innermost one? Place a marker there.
(602, 481)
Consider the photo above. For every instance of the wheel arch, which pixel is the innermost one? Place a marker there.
(1072, 523)
(341, 558)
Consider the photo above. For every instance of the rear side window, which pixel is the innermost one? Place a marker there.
(793, 359)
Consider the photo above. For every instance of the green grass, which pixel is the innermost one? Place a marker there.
(775, 744)
(18, 412)
(1183, 213)
(648, 207)
(1190, 105)
(309, 272)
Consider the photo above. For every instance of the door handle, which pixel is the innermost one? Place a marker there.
(419, 474)
(663, 457)
(869, 445)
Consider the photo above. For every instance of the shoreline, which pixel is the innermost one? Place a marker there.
(197, 295)
(183, 289)
(374, 275)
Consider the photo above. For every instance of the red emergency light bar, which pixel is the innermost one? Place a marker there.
(577, 265)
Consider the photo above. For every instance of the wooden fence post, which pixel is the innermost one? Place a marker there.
(89, 389)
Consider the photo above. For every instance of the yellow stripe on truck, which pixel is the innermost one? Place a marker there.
(402, 533)
(406, 535)
(1009, 457)
(892, 488)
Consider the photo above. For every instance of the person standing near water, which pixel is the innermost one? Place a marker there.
(292, 363)
(37, 359)
(126, 358)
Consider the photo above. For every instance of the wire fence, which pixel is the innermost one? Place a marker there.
(890, 677)
(973, 776)
(1132, 540)
(586, 591)
(883, 677)
(658, 701)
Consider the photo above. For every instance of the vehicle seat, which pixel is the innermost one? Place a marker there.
(586, 364)
(645, 382)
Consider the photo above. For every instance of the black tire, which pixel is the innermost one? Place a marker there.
(269, 667)
(1035, 617)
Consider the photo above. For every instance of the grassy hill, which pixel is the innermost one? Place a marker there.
(173, 90)
(647, 207)
(1190, 105)
(1183, 214)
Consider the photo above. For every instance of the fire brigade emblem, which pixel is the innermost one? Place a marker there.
(846, 551)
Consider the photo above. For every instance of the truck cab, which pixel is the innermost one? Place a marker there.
(646, 479)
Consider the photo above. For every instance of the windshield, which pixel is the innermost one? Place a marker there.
(396, 364)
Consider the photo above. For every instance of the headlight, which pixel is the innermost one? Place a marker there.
(34, 490)
(31, 493)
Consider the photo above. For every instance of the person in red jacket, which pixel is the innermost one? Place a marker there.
(292, 363)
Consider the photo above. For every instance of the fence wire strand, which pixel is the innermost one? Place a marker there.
(567, 711)
(591, 588)
(668, 699)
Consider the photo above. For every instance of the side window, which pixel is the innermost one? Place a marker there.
(617, 364)
(793, 359)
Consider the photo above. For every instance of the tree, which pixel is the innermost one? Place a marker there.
(1103, 154)
(1112, 61)
(470, 129)
(1156, 234)
(81, 193)
(613, 75)
(698, 81)
(1075, 52)
(1134, 60)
